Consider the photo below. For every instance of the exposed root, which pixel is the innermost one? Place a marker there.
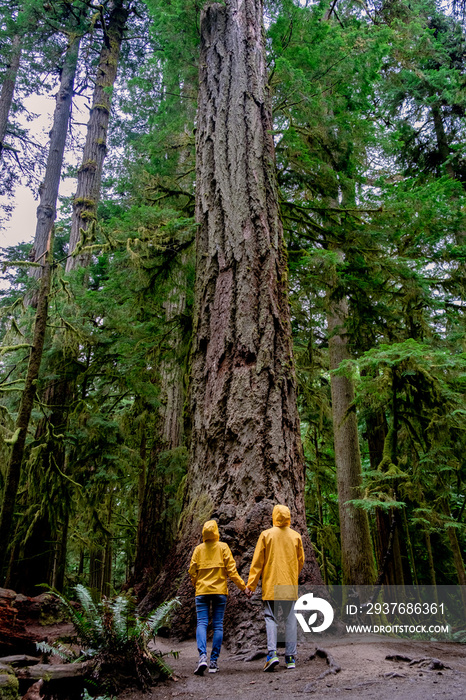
(333, 666)
(429, 663)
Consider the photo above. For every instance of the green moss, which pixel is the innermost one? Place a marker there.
(84, 201)
(88, 165)
(102, 107)
(88, 215)
(199, 510)
(8, 687)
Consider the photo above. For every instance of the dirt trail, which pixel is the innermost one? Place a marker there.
(365, 674)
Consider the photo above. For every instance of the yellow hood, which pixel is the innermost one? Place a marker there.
(281, 516)
(210, 531)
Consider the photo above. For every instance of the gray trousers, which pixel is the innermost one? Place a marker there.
(271, 625)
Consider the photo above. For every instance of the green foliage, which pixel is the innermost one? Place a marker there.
(115, 637)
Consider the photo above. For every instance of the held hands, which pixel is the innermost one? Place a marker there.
(248, 592)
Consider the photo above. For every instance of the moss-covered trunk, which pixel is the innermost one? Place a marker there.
(13, 473)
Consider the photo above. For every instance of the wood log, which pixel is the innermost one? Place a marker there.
(19, 660)
(54, 672)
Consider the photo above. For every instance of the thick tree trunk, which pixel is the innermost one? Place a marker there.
(27, 400)
(46, 211)
(357, 558)
(95, 149)
(157, 528)
(31, 563)
(8, 89)
(246, 452)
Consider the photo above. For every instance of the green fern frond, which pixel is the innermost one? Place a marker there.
(162, 666)
(157, 619)
(93, 618)
(119, 609)
(60, 650)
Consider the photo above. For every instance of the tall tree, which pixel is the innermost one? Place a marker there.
(246, 452)
(358, 565)
(13, 473)
(46, 211)
(95, 149)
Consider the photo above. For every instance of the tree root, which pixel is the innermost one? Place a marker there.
(429, 663)
(333, 666)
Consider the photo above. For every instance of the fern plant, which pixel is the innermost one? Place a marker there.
(116, 638)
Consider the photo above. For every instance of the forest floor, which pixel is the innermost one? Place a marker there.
(366, 673)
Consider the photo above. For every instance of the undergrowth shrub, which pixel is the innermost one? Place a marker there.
(115, 640)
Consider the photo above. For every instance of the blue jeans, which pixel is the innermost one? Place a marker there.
(202, 610)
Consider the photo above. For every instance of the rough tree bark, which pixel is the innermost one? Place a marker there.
(95, 149)
(46, 211)
(246, 452)
(27, 400)
(357, 558)
(8, 89)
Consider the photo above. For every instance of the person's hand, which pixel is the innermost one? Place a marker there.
(248, 592)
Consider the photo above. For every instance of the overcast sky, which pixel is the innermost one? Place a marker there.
(22, 225)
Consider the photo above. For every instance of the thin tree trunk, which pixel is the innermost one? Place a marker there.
(95, 149)
(60, 566)
(27, 400)
(8, 89)
(47, 209)
(430, 559)
(246, 452)
(142, 472)
(357, 558)
(442, 142)
(410, 552)
(456, 550)
(96, 570)
(107, 568)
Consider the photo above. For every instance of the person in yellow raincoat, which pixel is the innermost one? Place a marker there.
(211, 563)
(278, 558)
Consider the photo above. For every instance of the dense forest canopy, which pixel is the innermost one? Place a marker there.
(368, 179)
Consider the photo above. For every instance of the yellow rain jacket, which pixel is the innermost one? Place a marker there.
(212, 562)
(278, 558)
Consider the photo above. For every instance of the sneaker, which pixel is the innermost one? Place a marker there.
(271, 661)
(201, 666)
(290, 662)
(213, 667)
